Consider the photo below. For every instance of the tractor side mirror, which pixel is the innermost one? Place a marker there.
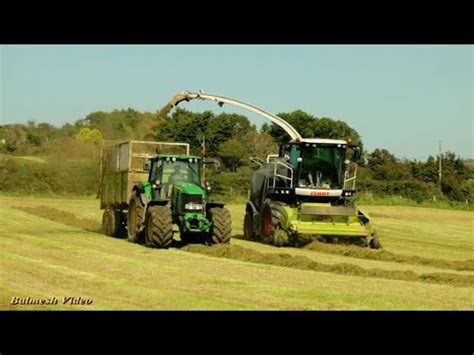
(147, 165)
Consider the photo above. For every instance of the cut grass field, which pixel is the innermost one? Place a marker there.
(51, 248)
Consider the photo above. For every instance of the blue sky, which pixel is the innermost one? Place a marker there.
(403, 98)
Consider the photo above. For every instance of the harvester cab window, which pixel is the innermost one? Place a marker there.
(294, 154)
(321, 167)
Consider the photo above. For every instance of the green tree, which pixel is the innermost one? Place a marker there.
(259, 144)
(92, 138)
(233, 154)
(16, 139)
(89, 135)
(309, 126)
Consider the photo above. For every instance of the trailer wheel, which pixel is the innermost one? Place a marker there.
(121, 222)
(221, 225)
(272, 231)
(134, 219)
(108, 222)
(159, 227)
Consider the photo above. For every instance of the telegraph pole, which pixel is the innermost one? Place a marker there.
(440, 166)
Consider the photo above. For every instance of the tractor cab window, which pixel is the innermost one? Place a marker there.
(322, 167)
(180, 171)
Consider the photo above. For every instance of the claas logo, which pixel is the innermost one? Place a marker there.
(319, 193)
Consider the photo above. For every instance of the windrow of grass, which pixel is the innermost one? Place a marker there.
(384, 255)
(64, 217)
(237, 252)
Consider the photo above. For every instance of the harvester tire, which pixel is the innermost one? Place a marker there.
(249, 233)
(375, 244)
(159, 227)
(272, 232)
(134, 220)
(221, 225)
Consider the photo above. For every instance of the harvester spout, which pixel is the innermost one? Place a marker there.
(221, 100)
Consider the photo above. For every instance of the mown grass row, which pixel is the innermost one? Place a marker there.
(295, 261)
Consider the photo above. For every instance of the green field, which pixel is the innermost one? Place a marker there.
(51, 248)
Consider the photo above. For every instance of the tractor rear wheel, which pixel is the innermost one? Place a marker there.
(134, 219)
(272, 232)
(159, 227)
(221, 225)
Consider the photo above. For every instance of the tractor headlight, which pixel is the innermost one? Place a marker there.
(193, 206)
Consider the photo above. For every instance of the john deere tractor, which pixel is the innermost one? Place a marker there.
(303, 193)
(166, 194)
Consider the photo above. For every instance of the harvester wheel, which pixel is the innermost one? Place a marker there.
(134, 219)
(221, 225)
(159, 227)
(375, 244)
(271, 224)
(248, 226)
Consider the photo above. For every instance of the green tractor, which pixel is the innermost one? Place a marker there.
(305, 192)
(173, 194)
(165, 195)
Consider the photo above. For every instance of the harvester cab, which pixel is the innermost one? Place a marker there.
(307, 194)
(303, 193)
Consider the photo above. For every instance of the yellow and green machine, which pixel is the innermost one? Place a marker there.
(306, 193)
(146, 194)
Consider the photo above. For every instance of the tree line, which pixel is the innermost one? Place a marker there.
(229, 137)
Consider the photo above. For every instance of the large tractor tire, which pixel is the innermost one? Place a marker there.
(221, 225)
(271, 231)
(112, 223)
(135, 214)
(159, 227)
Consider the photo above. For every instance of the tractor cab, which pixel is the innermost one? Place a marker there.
(169, 170)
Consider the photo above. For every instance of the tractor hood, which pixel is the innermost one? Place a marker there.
(190, 189)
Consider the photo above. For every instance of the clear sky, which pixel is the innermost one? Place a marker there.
(403, 98)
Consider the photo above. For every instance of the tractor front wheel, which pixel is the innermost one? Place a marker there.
(159, 227)
(221, 225)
